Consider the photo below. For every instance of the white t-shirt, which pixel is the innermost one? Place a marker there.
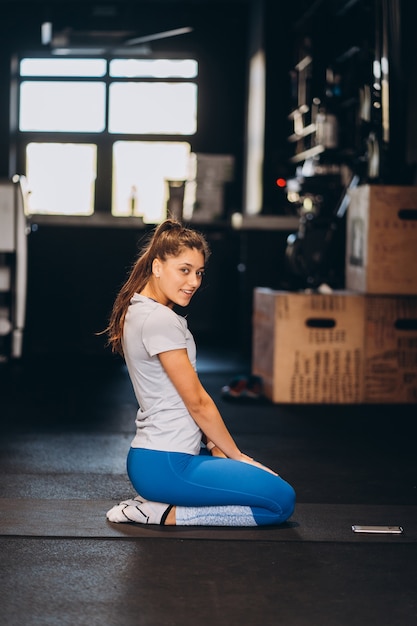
(162, 421)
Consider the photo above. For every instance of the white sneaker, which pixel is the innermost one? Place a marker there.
(137, 510)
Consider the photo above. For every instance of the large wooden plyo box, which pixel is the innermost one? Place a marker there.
(390, 349)
(309, 348)
(339, 348)
(381, 240)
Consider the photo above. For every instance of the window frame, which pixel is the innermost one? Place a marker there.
(104, 140)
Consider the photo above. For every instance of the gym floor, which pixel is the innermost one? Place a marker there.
(66, 425)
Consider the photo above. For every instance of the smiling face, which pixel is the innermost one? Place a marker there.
(175, 280)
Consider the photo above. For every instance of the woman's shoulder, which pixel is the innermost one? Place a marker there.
(156, 313)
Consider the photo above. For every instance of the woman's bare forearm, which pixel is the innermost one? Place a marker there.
(208, 418)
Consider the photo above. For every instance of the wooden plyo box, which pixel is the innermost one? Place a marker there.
(309, 348)
(381, 240)
(390, 349)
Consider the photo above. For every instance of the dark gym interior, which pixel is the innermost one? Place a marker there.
(67, 408)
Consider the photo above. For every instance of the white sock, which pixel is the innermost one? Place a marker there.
(137, 510)
(229, 515)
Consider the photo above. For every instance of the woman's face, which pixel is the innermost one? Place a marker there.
(178, 278)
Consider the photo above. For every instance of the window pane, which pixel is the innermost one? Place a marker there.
(61, 178)
(140, 170)
(142, 108)
(62, 106)
(154, 68)
(62, 67)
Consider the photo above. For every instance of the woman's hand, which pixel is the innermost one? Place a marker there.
(215, 451)
(244, 458)
(247, 459)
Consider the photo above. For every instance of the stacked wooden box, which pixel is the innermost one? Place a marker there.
(358, 345)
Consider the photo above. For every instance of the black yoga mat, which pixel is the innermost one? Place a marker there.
(310, 522)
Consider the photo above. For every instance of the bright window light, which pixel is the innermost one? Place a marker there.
(62, 106)
(135, 97)
(63, 67)
(154, 68)
(160, 108)
(61, 178)
(140, 172)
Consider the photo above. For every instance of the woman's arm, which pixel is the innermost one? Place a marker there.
(198, 402)
(211, 447)
(200, 405)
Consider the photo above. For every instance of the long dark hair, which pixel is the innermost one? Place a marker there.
(168, 239)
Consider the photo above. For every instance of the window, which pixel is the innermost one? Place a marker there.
(132, 192)
(142, 108)
(61, 177)
(62, 106)
(99, 135)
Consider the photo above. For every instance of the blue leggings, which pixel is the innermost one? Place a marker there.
(186, 480)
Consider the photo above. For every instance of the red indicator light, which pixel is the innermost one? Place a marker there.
(281, 182)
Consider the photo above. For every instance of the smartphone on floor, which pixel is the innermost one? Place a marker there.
(384, 530)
